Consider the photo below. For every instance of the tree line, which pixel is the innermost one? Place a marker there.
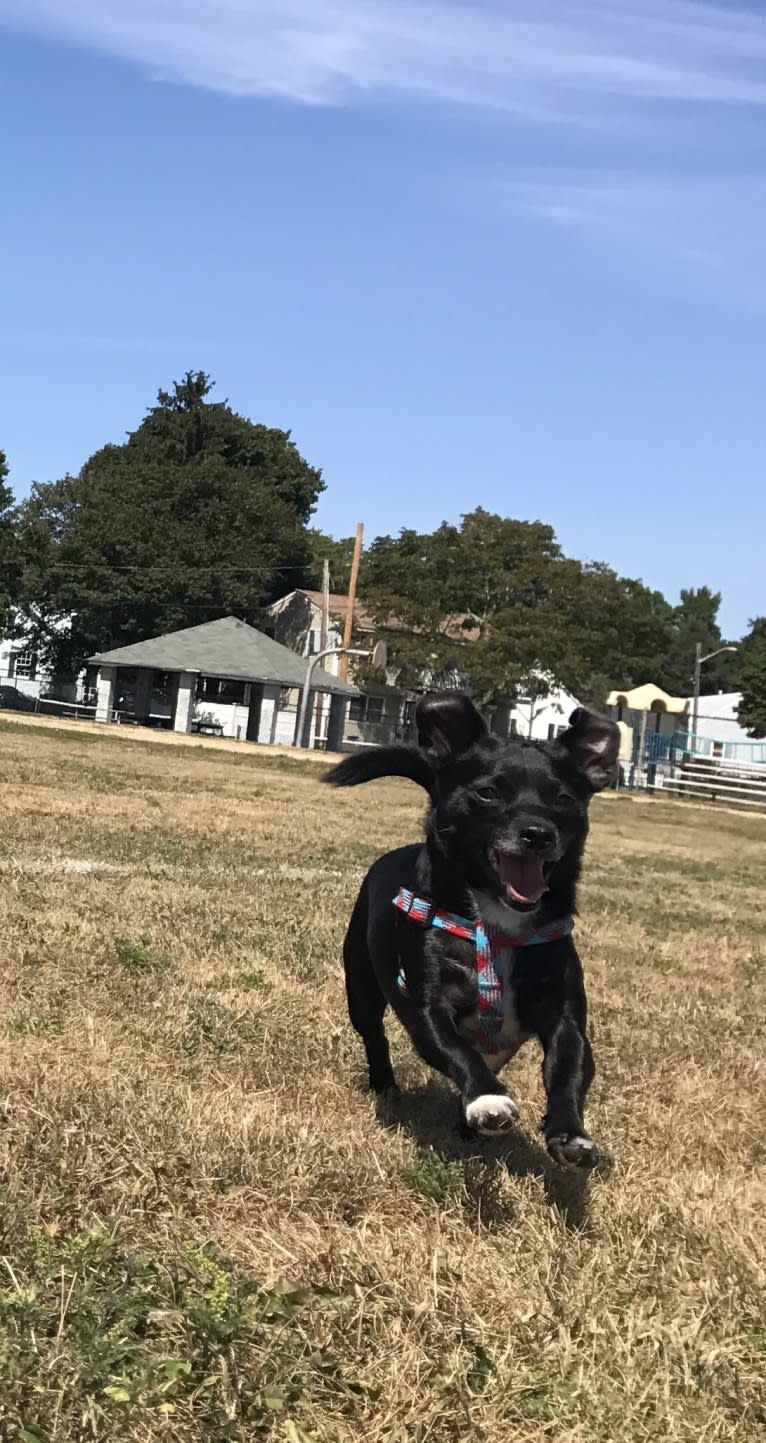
(202, 513)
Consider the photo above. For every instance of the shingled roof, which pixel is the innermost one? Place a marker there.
(227, 648)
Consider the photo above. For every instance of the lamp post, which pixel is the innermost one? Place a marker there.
(699, 662)
(378, 655)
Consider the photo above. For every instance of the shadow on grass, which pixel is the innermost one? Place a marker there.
(431, 1115)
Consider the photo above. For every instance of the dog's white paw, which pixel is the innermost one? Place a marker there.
(573, 1151)
(491, 1113)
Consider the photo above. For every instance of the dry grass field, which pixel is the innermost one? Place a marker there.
(207, 1233)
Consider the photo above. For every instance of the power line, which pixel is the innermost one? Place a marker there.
(171, 566)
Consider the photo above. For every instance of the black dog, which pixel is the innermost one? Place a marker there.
(468, 937)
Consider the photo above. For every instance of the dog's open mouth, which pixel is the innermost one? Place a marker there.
(524, 879)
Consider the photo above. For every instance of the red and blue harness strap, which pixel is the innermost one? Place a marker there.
(490, 944)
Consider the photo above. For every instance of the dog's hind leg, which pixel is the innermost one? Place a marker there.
(366, 1003)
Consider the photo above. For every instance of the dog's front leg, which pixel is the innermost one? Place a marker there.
(487, 1106)
(568, 1071)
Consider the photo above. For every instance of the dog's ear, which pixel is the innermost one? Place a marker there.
(448, 725)
(593, 742)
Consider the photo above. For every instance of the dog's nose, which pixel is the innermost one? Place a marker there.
(537, 836)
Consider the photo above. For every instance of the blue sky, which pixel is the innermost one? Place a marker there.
(507, 253)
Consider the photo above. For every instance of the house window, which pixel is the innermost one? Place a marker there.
(365, 709)
(552, 731)
(217, 688)
(24, 665)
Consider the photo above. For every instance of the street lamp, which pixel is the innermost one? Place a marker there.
(699, 662)
(378, 654)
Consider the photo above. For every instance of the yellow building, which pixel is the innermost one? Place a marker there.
(645, 709)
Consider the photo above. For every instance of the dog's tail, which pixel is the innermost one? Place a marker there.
(368, 765)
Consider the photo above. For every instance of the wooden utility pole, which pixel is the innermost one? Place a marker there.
(349, 626)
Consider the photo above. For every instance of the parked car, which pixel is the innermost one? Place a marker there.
(15, 700)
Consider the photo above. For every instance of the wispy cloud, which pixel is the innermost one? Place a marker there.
(542, 57)
(714, 222)
(640, 77)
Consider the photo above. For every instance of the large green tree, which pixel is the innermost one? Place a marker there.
(695, 621)
(607, 630)
(442, 598)
(10, 562)
(338, 554)
(752, 662)
(199, 514)
(494, 601)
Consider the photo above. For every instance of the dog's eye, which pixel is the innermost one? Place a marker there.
(565, 799)
(486, 794)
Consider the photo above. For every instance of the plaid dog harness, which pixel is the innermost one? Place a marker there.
(493, 947)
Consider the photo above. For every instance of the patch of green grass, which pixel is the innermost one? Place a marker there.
(52, 734)
(754, 969)
(540, 1398)
(251, 981)
(434, 1177)
(211, 1027)
(96, 1334)
(140, 958)
(25, 1023)
(481, 1369)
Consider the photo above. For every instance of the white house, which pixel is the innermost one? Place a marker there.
(717, 718)
(19, 668)
(540, 718)
(22, 670)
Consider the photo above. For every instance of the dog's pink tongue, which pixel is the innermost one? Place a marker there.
(522, 877)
